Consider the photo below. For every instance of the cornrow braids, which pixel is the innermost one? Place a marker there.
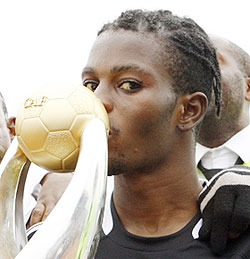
(190, 58)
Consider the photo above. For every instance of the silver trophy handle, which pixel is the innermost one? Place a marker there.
(72, 229)
(13, 172)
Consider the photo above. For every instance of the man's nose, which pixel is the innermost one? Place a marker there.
(105, 97)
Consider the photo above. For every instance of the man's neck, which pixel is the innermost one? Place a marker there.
(219, 137)
(158, 204)
(214, 132)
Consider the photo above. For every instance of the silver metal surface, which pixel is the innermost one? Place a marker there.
(73, 227)
(13, 172)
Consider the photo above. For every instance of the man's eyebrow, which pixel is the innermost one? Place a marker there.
(132, 67)
(117, 69)
(88, 70)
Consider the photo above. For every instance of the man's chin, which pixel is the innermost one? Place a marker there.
(116, 167)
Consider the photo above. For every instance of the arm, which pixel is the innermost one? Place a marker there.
(225, 207)
(53, 187)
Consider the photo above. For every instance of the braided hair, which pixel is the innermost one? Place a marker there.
(190, 58)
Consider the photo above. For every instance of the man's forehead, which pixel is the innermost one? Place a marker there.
(118, 69)
(127, 44)
(126, 51)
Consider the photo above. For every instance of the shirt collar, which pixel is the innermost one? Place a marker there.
(200, 152)
(239, 143)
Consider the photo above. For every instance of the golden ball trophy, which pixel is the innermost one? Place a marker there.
(61, 128)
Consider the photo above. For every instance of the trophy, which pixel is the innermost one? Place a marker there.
(63, 130)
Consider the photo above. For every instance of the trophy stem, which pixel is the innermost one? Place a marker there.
(12, 227)
(73, 227)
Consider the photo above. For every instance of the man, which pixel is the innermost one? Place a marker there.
(154, 73)
(142, 91)
(224, 140)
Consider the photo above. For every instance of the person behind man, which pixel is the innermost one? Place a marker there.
(154, 73)
(223, 141)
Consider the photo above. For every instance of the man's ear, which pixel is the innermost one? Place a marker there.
(247, 94)
(193, 109)
(11, 122)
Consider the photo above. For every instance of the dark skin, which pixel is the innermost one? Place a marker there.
(45, 202)
(151, 145)
(135, 91)
(234, 116)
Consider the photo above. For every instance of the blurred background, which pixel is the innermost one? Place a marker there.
(44, 40)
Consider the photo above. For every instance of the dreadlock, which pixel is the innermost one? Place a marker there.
(190, 58)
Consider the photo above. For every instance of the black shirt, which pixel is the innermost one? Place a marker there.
(120, 244)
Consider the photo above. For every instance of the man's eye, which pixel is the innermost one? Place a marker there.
(130, 86)
(92, 85)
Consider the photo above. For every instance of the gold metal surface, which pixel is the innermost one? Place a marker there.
(72, 230)
(55, 128)
(50, 123)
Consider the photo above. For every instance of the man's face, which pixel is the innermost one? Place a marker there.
(4, 133)
(126, 72)
(232, 85)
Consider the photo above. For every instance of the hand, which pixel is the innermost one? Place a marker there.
(225, 207)
(53, 187)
